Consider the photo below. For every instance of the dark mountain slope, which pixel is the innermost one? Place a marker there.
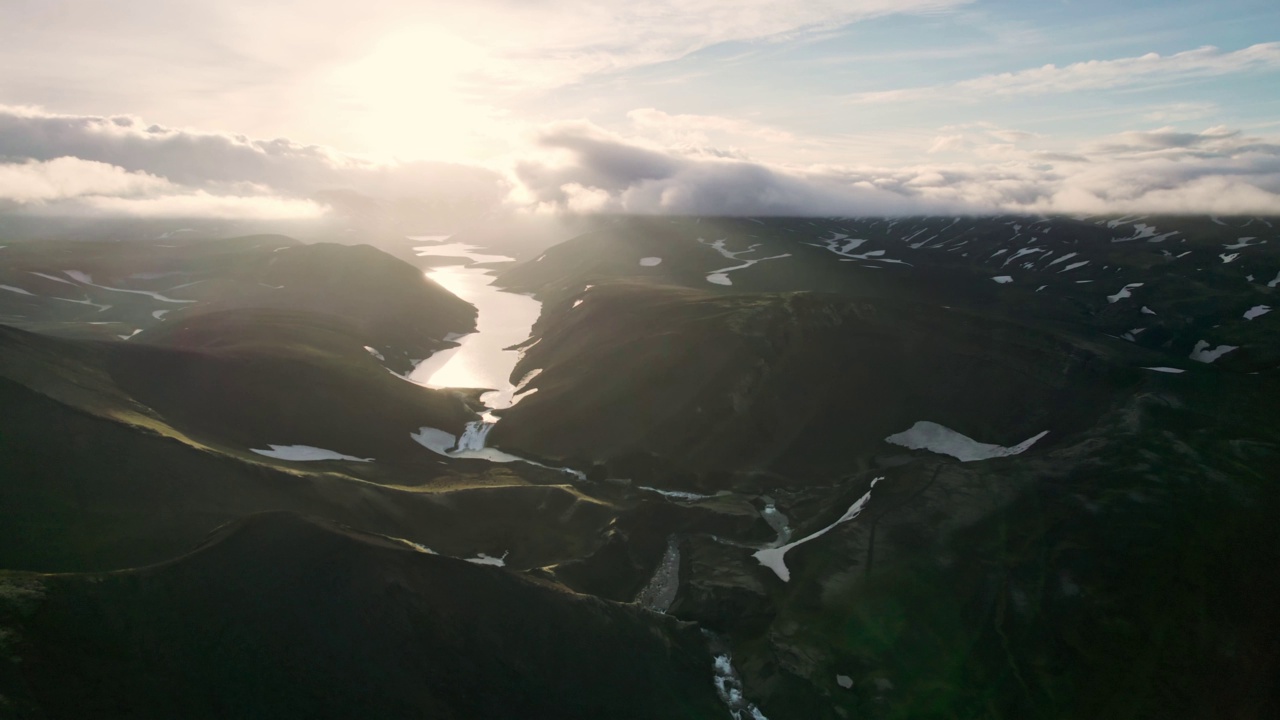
(793, 382)
(242, 380)
(278, 616)
(80, 492)
(111, 291)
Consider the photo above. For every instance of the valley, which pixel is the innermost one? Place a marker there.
(680, 467)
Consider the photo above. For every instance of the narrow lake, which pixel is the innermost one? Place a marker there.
(482, 359)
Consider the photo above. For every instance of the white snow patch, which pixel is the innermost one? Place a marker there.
(721, 276)
(1003, 279)
(1228, 257)
(925, 435)
(1074, 265)
(1243, 242)
(86, 279)
(1124, 292)
(1062, 258)
(18, 290)
(1202, 353)
(1256, 311)
(374, 353)
(1165, 370)
(126, 337)
(1147, 311)
(650, 261)
(305, 453)
(576, 303)
(482, 559)
(775, 558)
(159, 314)
(1275, 282)
(677, 494)
(1020, 253)
(844, 681)
(54, 278)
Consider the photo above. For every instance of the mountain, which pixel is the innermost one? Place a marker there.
(926, 467)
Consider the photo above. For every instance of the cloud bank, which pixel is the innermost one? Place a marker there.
(584, 168)
(121, 165)
(53, 164)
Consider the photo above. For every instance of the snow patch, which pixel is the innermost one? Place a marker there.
(1165, 370)
(1003, 279)
(1202, 353)
(305, 453)
(1256, 311)
(925, 435)
(18, 290)
(650, 261)
(54, 278)
(1124, 292)
(1243, 242)
(775, 558)
(87, 279)
(482, 559)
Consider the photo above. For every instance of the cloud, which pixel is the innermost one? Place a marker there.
(207, 159)
(121, 165)
(590, 167)
(72, 186)
(585, 168)
(397, 77)
(1146, 70)
(47, 157)
(35, 181)
(203, 205)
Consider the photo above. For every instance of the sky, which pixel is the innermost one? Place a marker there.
(751, 107)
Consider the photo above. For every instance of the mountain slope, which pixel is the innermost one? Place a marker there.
(279, 616)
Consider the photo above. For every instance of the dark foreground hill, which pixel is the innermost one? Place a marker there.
(280, 616)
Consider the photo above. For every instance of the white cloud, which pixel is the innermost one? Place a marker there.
(1145, 70)
(222, 163)
(72, 186)
(70, 177)
(200, 204)
(1219, 171)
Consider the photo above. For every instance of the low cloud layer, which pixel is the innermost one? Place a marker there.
(52, 164)
(586, 169)
(122, 165)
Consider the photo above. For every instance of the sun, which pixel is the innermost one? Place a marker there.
(419, 95)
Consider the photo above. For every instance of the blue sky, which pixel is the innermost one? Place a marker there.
(928, 105)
